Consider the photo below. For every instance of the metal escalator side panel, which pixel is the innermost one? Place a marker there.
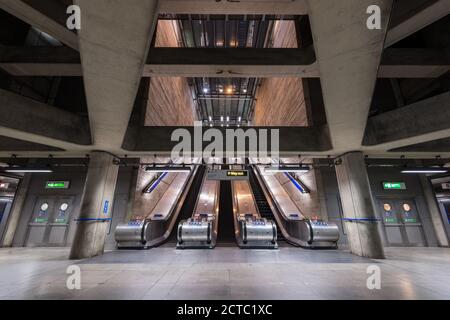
(275, 232)
(129, 235)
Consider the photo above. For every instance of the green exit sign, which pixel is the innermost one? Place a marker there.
(57, 185)
(394, 186)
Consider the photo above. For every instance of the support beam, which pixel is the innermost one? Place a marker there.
(241, 7)
(11, 144)
(231, 62)
(414, 63)
(196, 62)
(349, 55)
(292, 139)
(419, 122)
(432, 13)
(114, 43)
(26, 119)
(49, 21)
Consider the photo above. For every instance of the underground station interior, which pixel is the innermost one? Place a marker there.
(224, 150)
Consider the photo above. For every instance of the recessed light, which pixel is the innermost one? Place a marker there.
(27, 170)
(425, 170)
(296, 169)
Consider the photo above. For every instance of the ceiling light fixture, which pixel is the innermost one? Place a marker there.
(28, 170)
(293, 169)
(425, 170)
(168, 169)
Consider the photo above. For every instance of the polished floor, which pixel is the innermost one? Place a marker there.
(225, 273)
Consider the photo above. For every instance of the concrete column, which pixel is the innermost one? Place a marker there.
(358, 210)
(16, 211)
(320, 192)
(435, 213)
(96, 207)
(132, 195)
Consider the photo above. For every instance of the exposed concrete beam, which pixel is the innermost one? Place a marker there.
(11, 144)
(440, 145)
(432, 13)
(231, 56)
(114, 43)
(48, 20)
(231, 62)
(26, 119)
(419, 122)
(414, 63)
(292, 139)
(196, 62)
(241, 7)
(348, 54)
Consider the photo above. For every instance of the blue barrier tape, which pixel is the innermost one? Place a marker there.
(93, 219)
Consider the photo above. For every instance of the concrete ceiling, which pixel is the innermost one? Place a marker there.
(114, 47)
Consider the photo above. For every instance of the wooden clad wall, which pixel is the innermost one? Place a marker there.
(170, 100)
(280, 101)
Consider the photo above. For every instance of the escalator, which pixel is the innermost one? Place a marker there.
(226, 226)
(292, 224)
(177, 202)
(261, 202)
(189, 203)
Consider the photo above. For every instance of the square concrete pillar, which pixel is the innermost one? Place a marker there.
(96, 207)
(360, 219)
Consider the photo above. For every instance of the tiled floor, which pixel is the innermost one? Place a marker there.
(225, 273)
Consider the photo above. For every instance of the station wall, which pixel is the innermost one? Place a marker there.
(126, 187)
(77, 177)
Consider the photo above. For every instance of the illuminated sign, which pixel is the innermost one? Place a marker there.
(227, 175)
(394, 186)
(4, 185)
(57, 185)
(239, 173)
